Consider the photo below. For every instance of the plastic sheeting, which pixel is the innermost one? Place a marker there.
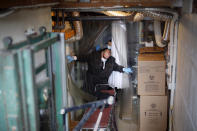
(76, 95)
(119, 51)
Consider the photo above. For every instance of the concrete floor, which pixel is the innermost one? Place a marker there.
(126, 113)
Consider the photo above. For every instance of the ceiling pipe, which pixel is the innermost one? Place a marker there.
(97, 18)
(121, 16)
(7, 12)
(154, 15)
(138, 17)
(161, 41)
(166, 33)
(116, 13)
(157, 31)
(158, 17)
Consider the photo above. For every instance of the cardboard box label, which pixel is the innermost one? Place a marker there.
(153, 113)
(151, 77)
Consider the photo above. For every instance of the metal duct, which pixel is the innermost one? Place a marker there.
(78, 30)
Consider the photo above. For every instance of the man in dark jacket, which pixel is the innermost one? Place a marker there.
(100, 66)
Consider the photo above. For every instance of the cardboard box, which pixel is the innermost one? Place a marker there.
(146, 50)
(153, 113)
(151, 74)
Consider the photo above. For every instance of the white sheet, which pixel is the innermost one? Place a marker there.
(119, 51)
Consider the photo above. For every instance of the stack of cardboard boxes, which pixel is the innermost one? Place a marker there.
(151, 88)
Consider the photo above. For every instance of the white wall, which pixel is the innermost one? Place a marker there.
(186, 92)
(15, 24)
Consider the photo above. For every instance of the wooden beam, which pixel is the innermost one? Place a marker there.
(113, 4)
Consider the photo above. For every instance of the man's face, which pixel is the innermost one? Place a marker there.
(107, 53)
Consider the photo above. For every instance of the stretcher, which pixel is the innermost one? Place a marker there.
(97, 114)
(102, 119)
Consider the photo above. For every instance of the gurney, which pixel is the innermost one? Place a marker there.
(97, 115)
(102, 118)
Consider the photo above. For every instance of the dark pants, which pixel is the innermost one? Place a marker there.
(101, 95)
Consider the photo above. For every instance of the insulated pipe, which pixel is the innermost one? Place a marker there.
(138, 17)
(78, 30)
(8, 12)
(154, 15)
(173, 63)
(161, 42)
(157, 16)
(116, 13)
(166, 32)
(157, 31)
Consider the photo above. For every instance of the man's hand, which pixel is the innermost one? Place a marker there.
(70, 58)
(128, 70)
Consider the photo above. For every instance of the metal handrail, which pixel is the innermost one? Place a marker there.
(92, 105)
